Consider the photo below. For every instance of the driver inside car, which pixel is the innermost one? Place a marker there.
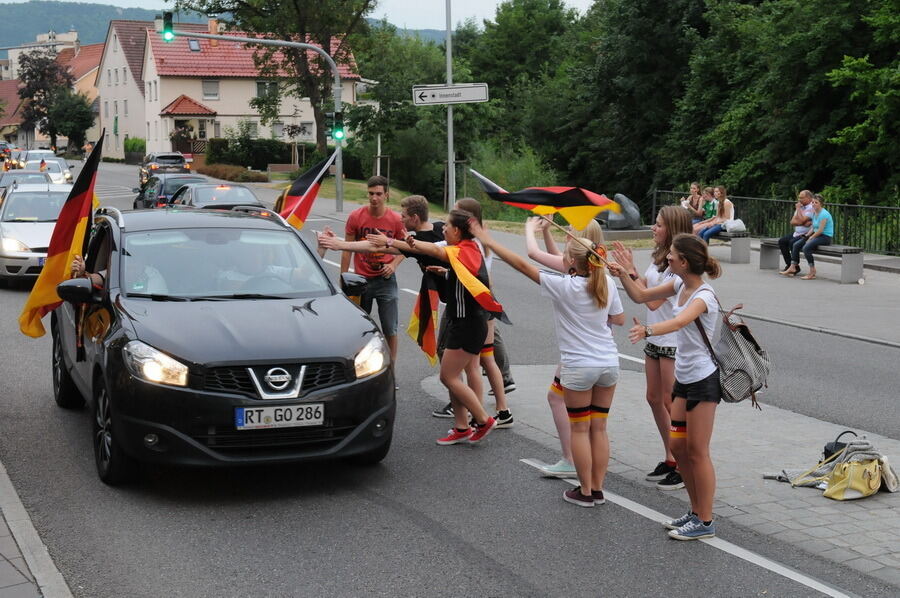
(249, 271)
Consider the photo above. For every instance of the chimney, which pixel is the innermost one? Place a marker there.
(213, 30)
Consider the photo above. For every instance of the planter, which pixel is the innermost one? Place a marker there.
(134, 157)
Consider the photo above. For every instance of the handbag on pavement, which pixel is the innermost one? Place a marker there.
(743, 364)
(836, 445)
(854, 479)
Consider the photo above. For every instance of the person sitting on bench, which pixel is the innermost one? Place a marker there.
(821, 233)
(801, 221)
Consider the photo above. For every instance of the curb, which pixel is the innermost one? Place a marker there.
(49, 580)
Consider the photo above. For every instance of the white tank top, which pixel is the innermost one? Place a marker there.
(663, 312)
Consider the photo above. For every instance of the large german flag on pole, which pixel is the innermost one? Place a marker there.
(69, 238)
(423, 322)
(578, 206)
(298, 200)
(466, 260)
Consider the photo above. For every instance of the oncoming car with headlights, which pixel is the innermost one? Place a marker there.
(215, 338)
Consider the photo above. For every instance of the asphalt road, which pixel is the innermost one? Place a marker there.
(428, 521)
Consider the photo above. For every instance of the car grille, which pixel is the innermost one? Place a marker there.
(228, 440)
(237, 379)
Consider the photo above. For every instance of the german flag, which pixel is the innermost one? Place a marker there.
(578, 206)
(466, 260)
(298, 200)
(423, 322)
(69, 238)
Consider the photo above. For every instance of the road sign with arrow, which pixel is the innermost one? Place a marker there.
(462, 93)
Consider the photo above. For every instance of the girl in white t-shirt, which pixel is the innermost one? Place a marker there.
(659, 364)
(584, 305)
(696, 392)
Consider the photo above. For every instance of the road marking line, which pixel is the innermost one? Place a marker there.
(723, 545)
(630, 358)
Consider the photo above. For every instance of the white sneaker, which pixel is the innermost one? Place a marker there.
(560, 469)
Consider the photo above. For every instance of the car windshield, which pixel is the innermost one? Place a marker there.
(223, 194)
(219, 263)
(36, 165)
(29, 206)
(23, 178)
(169, 159)
(173, 185)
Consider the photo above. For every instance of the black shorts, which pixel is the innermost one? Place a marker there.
(707, 389)
(467, 334)
(656, 352)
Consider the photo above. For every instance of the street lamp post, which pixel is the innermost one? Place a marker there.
(339, 160)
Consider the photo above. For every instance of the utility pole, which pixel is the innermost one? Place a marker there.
(451, 155)
(336, 86)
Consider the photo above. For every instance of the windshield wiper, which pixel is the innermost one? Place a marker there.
(252, 296)
(160, 297)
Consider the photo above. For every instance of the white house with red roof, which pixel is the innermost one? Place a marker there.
(205, 85)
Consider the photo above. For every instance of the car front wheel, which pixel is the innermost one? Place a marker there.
(114, 466)
(65, 392)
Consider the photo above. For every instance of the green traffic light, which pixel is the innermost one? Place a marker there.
(338, 134)
(168, 36)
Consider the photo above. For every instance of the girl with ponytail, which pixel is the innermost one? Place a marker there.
(584, 303)
(696, 392)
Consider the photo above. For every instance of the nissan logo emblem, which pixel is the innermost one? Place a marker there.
(277, 378)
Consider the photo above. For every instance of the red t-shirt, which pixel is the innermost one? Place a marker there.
(361, 223)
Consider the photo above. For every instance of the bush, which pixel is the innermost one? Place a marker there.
(217, 151)
(118, 160)
(136, 144)
(230, 172)
(241, 151)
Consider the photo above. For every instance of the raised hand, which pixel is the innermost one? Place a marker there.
(77, 268)
(377, 239)
(636, 332)
(477, 230)
(616, 269)
(623, 255)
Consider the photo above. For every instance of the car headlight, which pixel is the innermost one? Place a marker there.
(149, 364)
(10, 244)
(372, 358)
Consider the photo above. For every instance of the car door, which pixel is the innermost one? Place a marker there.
(182, 196)
(152, 192)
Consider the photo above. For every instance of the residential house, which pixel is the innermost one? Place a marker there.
(11, 115)
(47, 42)
(82, 63)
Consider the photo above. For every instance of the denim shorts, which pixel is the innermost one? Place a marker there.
(655, 351)
(384, 291)
(708, 389)
(585, 378)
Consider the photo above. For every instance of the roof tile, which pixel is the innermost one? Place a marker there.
(9, 96)
(186, 106)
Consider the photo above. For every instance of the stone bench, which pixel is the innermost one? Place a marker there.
(851, 258)
(740, 245)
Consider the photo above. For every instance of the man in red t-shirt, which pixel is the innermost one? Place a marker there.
(378, 268)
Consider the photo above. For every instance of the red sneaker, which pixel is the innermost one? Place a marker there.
(482, 430)
(454, 436)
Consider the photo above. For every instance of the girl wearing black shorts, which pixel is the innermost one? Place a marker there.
(466, 324)
(697, 391)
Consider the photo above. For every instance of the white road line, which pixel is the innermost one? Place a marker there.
(630, 358)
(723, 545)
(410, 291)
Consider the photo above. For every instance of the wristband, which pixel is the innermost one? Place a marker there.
(633, 276)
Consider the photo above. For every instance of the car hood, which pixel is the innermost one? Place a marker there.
(249, 331)
(33, 234)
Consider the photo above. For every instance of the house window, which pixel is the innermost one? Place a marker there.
(115, 107)
(264, 88)
(217, 129)
(150, 91)
(278, 129)
(125, 107)
(148, 129)
(194, 45)
(124, 75)
(105, 109)
(254, 129)
(116, 75)
(156, 130)
(108, 77)
(201, 129)
(156, 90)
(211, 90)
(114, 43)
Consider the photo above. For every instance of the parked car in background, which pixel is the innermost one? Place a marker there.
(217, 339)
(159, 189)
(27, 218)
(162, 162)
(215, 196)
(50, 167)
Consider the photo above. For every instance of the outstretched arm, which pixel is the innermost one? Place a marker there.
(510, 257)
(637, 293)
(544, 258)
(625, 258)
(693, 311)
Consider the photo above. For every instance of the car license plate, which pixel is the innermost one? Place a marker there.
(284, 416)
(42, 261)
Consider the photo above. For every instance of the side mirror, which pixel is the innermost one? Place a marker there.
(353, 284)
(76, 290)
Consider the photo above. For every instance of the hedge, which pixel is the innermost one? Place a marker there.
(229, 172)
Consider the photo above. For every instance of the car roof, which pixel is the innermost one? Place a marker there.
(176, 154)
(179, 175)
(143, 220)
(37, 187)
(211, 184)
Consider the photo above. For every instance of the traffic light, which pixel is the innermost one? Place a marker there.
(329, 123)
(167, 32)
(337, 130)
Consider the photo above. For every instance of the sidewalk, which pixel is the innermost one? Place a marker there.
(860, 534)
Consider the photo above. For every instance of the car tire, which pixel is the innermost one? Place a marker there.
(114, 465)
(376, 456)
(65, 393)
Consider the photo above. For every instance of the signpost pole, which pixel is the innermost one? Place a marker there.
(451, 155)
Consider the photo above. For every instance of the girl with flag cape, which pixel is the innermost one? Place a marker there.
(584, 303)
(469, 305)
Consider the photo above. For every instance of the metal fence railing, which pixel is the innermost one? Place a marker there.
(874, 228)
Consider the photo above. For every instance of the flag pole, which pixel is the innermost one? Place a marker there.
(576, 239)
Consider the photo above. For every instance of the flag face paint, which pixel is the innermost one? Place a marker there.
(423, 320)
(299, 199)
(69, 238)
(578, 206)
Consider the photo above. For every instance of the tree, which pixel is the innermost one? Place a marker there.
(300, 74)
(43, 79)
(72, 116)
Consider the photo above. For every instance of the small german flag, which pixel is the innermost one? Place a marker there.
(69, 239)
(578, 206)
(468, 265)
(298, 200)
(424, 317)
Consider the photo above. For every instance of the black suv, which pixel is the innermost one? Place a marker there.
(157, 192)
(216, 338)
(162, 162)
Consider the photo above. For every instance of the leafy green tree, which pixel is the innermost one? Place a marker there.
(43, 80)
(300, 74)
(72, 116)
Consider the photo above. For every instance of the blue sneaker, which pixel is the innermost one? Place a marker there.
(560, 469)
(676, 523)
(694, 530)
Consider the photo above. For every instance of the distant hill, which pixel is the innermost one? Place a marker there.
(22, 22)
